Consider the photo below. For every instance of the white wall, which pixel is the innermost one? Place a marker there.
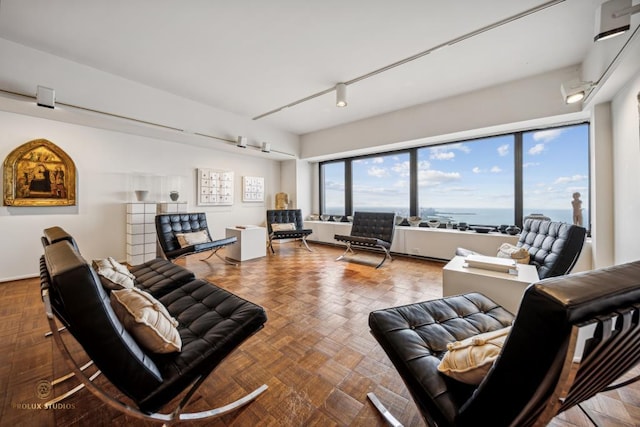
(105, 162)
(521, 100)
(625, 109)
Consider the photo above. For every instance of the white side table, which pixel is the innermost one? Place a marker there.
(504, 288)
(252, 243)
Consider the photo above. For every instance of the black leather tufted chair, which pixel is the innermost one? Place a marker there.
(212, 323)
(370, 230)
(573, 337)
(287, 216)
(167, 225)
(554, 247)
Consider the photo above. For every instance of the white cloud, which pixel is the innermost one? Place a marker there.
(547, 135)
(529, 164)
(442, 155)
(377, 160)
(536, 149)
(476, 170)
(568, 179)
(402, 168)
(433, 177)
(496, 169)
(377, 172)
(503, 150)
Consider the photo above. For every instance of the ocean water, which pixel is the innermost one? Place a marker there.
(482, 216)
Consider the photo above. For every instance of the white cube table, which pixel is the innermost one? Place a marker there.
(504, 288)
(251, 243)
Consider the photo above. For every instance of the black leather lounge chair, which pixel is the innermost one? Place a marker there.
(573, 337)
(554, 247)
(371, 230)
(286, 224)
(169, 227)
(212, 323)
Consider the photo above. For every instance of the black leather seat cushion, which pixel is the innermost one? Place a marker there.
(362, 241)
(212, 323)
(286, 216)
(159, 276)
(415, 338)
(169, 224)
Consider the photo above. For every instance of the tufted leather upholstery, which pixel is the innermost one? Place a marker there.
(212, 322)
(169, 224)
(518, 387)
(554, 247)
(370, 230)
(285, 216)
(159, 276)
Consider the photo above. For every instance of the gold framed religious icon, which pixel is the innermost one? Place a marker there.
(39, 173)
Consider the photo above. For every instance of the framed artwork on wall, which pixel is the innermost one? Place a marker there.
(252, 189)
(39, 173)
(215, 187)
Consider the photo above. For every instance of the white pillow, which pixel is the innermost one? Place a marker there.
(469, 360)
(287, 226)
(147, 320)
(113, 275)
(520, 255)
(193, 238)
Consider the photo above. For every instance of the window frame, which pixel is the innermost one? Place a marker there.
(518, 158)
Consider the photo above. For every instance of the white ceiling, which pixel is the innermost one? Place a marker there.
(252, 56)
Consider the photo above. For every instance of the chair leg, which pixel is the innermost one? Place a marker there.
(215, 252)
(383, 411)
(304, 240)
(270, 245)
(386, 255)
(345, 252)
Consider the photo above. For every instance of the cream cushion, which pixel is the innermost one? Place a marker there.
(520, 255)
(147, 320)
(194, 238)
(469, 360)
(113, 275)
(287, 226)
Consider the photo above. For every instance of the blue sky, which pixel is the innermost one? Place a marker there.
(474, 174)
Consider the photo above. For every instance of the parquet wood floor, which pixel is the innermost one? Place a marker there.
(315, 352)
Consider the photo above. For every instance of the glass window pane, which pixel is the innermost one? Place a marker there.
(381, 184)
(333, 188)
(469, 181)
(556, 172)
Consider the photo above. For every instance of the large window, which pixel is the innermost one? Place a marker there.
(381, 184)
(333, 188)
(470, 181)
(556, 173)
(488, 181)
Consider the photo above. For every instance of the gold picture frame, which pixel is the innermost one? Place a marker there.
(39, 173)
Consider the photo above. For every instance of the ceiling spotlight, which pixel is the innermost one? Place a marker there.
(575, 91)
(613, 18)
(266, 147)
(45, 97)
(242, 142)
(341, 95)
